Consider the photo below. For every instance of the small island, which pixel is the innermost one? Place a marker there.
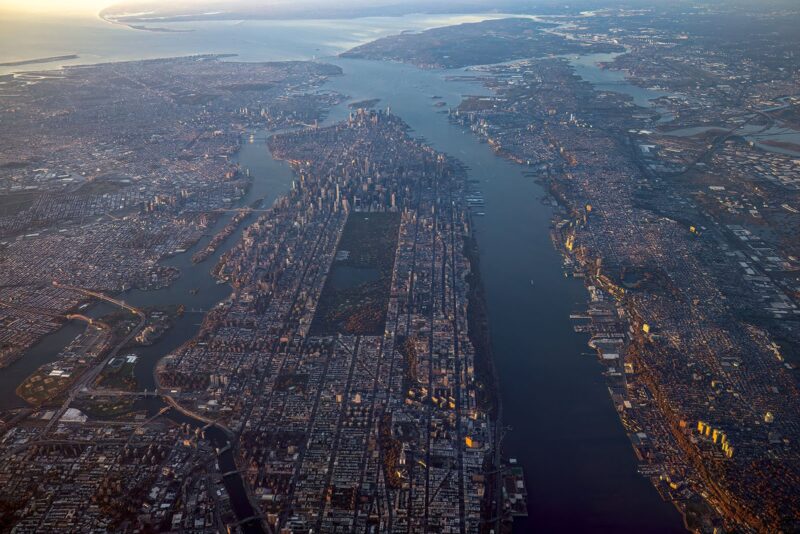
(364, 104)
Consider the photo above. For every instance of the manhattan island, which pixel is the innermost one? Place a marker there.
(342, 362)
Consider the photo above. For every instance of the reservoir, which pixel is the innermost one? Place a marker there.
(347, 277)
(579, 465)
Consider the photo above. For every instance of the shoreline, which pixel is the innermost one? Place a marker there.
(35, 61)
(478, 314)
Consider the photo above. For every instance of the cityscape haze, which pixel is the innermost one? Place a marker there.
(379, 267)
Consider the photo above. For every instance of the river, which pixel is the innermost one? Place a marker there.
(199, 292)
(759, 134)
(580, 467)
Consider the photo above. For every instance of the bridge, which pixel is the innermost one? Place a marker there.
(88, 320)
(120, 393)
(101, 296)
(80, 317)
(232, 210)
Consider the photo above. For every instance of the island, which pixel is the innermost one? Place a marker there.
(39, 60)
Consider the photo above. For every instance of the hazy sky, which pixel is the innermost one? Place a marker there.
(54, 7)
(92, 7)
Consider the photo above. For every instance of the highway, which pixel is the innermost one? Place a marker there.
(91, 392)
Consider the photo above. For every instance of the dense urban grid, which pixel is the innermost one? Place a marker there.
(104, 170)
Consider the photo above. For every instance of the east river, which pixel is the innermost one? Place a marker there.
(581, 471)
